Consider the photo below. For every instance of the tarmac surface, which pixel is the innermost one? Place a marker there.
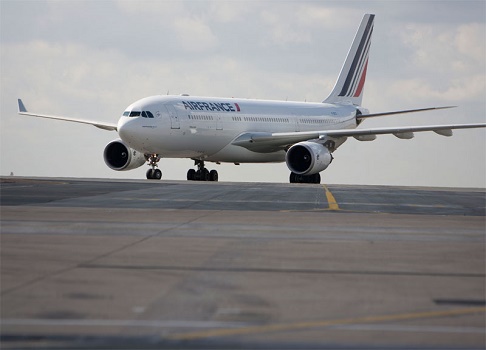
(112, 264)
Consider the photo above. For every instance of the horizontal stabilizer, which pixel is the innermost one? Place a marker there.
(364, 116)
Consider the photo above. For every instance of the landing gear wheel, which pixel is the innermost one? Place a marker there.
(213, 175)
(157, 174)
(201, 174)
(305, 179)
(153, 173)
(205, 175)
(293, 178)
(191, 175)
(297, 178)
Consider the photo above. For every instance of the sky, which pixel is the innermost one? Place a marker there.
(91, 59)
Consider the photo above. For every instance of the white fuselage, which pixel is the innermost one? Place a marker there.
(204, 127)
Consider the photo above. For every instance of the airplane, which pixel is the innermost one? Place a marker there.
(232, 130)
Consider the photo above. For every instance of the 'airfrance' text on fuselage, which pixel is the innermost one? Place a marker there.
(201, 106)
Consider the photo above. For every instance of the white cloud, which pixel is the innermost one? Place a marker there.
(231, 11)
(470, 41)
(296, 23)
(448, 62)
(456, 90)
(283, 30)
(435, 47)
(185, 21)
(160, 9)
(195, 35)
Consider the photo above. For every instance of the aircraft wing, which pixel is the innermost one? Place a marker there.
(101, 125)
(271, 142)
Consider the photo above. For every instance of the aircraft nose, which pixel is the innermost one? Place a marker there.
(127, 129)
(121, 126)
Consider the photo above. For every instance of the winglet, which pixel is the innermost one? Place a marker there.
(22, 108)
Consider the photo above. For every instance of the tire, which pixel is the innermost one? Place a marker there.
(292, 178)
(205, 175)
(213, 175)
(150, 174)
(191, 175)
(157, 174)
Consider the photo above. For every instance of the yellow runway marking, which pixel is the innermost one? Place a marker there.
(320, 324)
(331, 201)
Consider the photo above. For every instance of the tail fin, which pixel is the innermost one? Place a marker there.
(349, 86)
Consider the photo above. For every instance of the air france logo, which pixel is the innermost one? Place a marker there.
(211, 106)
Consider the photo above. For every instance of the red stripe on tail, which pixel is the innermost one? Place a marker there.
(362, 81)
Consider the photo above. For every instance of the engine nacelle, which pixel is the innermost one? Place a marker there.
(308, 158)
(118, 156)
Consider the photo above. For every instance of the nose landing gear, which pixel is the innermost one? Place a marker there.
(153, 173)
(201, 174)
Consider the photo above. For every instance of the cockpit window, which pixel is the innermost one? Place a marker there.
(143, 114)
(147, 114)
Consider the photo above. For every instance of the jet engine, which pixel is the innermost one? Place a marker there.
(118, 156)
(308, 158)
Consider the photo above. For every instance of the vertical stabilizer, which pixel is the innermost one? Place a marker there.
(350, 84)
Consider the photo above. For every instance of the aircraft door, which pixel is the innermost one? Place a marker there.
(296, 121)
(219, 123)
(174, 118)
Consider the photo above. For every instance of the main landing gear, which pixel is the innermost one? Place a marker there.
(201, 174)
(305, 179)
(153, 173)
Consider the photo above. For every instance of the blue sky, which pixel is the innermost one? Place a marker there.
(91, 59)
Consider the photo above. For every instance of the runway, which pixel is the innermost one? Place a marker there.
(168, 264)
(241, 196)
